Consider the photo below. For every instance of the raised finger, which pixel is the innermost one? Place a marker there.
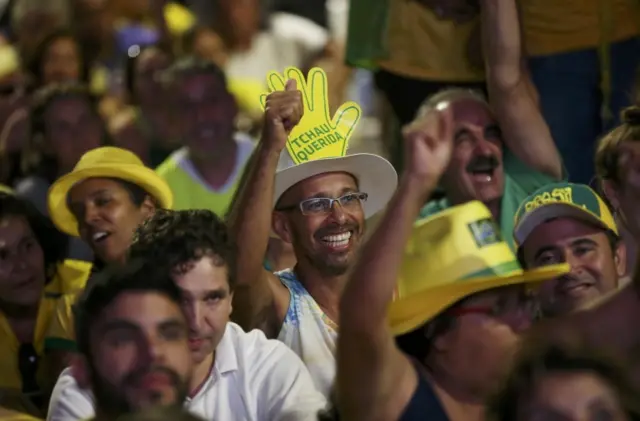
(297, 75)
(275, 82)
(318, 90)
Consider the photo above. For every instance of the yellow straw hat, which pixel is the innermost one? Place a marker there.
(105, 162)
(450, 256)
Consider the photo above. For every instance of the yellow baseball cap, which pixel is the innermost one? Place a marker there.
(558, 200)
(450, 256)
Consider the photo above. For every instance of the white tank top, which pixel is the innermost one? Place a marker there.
(309, 333)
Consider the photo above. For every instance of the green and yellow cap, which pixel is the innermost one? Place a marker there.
(559, 200)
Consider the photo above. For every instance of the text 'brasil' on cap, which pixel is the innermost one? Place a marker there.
(450, 256)
(558, 200)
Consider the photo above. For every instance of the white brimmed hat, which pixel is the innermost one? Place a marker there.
(374, 174)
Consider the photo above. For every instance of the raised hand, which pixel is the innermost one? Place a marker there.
(283, 110)
(429, 144)
(311, 131)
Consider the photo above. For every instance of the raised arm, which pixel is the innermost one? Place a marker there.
(375, 380)
(260, 300)
(511, 91)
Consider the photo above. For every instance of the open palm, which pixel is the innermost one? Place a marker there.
(317, 135)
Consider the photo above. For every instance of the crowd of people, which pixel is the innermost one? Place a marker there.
(203, 214)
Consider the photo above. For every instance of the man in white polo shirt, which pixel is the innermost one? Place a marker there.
(236, 375)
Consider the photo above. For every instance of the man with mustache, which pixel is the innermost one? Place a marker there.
(319, 207)
(133, 339)
(570, 223)
(236, 375)
(502, 151)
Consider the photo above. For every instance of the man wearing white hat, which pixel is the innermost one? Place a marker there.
(304, 188)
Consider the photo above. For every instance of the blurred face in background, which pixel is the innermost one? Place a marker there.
(22, 271)
(624, 194)
(61, 61)
(208, 45)
(572, 396)
(242, 17)
(94, 22)
(71, 128)
(34, 26)
(206, 111)
(147, 85)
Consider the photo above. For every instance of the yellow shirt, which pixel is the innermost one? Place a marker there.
(557, 26)
(70, 278)
(191, 192)
(6, 189)
(421, 46)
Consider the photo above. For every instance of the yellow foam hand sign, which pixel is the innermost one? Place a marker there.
(318, 135)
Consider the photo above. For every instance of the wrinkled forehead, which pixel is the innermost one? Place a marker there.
(333, 184)
(471, 111)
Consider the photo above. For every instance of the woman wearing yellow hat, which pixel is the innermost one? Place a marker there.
(35, 279)
(106, 196)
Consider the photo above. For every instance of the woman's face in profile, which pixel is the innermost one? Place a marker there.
(578, 396)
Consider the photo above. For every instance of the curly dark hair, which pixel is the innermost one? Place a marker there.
(542, 358)
(175, 239)
(54, 244)
(137, 275)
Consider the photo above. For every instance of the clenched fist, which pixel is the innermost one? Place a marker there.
(283, 110)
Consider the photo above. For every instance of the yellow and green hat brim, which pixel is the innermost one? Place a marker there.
(411, 312)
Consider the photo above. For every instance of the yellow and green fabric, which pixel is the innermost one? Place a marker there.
(70, 278)
(520, 180)
(454, 254)
(559, 200)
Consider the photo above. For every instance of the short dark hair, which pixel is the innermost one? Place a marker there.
(542, 357)
(54, 244)
(175, 239)
(137, 275)
(192, 65)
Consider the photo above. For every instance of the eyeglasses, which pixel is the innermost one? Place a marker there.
(28, 360)
(321, 205)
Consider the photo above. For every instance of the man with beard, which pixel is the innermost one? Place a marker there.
(497, 158)
(570, 223)
(205, 173)
(236, 375)
(132, 336)
(319, 207)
